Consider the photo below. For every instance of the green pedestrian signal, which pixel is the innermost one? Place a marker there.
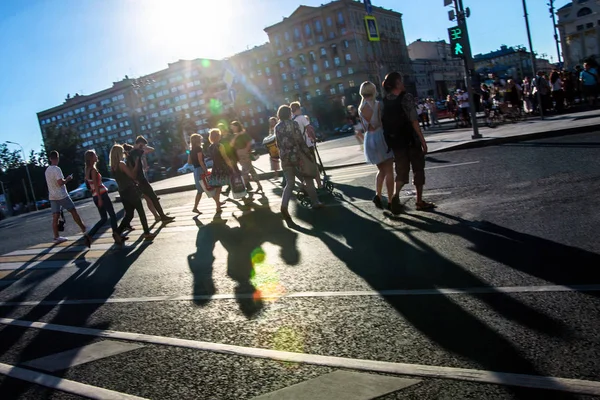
(458, 41)
(458, 51)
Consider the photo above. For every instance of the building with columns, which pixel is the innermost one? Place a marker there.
(579, 29)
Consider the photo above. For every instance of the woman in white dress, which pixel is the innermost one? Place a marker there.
(376, 149)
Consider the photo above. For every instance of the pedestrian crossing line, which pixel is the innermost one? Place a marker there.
(67, 255)
(107, 239)
(567, 385)
(23, 266)
(54, 250)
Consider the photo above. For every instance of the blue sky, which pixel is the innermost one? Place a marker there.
(53, 47)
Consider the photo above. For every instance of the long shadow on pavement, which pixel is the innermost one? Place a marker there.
(387, 262)
(257, 225)
(97, 281)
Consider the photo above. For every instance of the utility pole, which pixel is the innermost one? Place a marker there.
(532, 55)
(459, 39)
(553, 16)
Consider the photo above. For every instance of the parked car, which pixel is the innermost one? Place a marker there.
(41, 204)
(80, 193)
(110, 184)
(187, 168)
(344, 129)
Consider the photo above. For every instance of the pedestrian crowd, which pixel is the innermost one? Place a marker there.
(388, 130)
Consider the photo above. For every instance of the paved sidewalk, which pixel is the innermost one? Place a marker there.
(344, 151)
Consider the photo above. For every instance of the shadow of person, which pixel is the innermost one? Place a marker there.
(98, 281)
(244, 250)
(387, 262)
(551, 261)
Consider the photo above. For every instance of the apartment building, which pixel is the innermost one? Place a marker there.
(579, 29)
(325, 50)
(192, 90)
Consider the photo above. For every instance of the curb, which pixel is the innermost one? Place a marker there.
(475, 143)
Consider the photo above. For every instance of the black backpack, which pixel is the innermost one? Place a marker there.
(398, 129)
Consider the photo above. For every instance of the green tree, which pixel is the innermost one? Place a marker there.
(171, 139)
(66, 141)
(9, 159)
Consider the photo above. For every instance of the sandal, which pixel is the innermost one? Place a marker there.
(424, 206)
(195, 210)
(377, 202)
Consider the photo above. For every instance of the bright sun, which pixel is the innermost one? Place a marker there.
(189, 28)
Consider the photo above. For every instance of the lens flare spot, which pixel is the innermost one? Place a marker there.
(205, 63)
(288, 339)
(264, 278)
(215, 106)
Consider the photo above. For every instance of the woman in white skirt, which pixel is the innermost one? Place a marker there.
(376, 150)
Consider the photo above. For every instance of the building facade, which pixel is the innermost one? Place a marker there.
(436, 73)
(579, 29)
(325, 51)
(514, 62)
(317, 55)
(188, 90)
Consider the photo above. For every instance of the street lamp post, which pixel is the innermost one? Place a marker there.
(553, 16)
(532, 55)
(28, 175)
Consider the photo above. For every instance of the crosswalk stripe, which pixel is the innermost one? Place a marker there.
(39, 265)
(66, 255)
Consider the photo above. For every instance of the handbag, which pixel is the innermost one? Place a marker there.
(61, 221)
(307, 166)
(238, 188)
(209, 190)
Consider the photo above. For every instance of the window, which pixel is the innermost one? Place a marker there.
(311, 55)
(268, 71)
(284, 77)
(579, 27)
(346, 44)
(323, 52)
(350, 70)
(315, 68)
(589, 25)
(297, 33)
(338, 73)
(318, 27)
(302, 58)
(327, 77)
(307, 30)
(296, 86)
(306, 83)
(277, 40)
(281, 64)
(332, 90)
(318, 92)
(270, 81)
(91, 106)
(340, 18)
(285, 89)
(291, 62)
(328, 21)
(583, 12)
(341, 87)
(326, 64)
(348, 57)
(259, 72)
(286, 36)
(258, 108)
(317, 79)
(299, 45)
(336, 61)
(351, 83)
(320, 38)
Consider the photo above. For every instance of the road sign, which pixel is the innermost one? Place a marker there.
(372, 29)
(458, 42)
(447, 2)
(368, 6)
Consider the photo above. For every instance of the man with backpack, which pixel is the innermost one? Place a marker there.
(404, 137)
(589, 83)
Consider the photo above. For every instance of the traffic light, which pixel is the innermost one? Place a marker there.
(457, 42)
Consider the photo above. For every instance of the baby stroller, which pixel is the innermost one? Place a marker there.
(300, 192)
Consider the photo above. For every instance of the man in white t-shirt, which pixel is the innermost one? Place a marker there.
(463, 104)
(307, 130)
(59, 198)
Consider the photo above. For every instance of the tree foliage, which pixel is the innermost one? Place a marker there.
(65, 140)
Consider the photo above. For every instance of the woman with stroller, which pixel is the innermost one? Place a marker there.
(296, 159)
(376, 149)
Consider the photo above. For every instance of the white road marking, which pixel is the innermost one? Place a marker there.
(462, 374)
(351, 173)
(453, 165)
(81, 355)
(363, 293)
(59, 249)
(40, 265)
(64, 385)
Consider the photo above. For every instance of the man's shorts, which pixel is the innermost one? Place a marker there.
(404, 159)
(590, 90)
(145, 188)
(66, 203)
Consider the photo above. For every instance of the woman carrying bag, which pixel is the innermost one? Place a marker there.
(296, 159)
(196, 158)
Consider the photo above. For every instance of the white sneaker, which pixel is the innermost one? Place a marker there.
(60, 239)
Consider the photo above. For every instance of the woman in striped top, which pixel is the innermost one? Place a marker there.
(100, 196)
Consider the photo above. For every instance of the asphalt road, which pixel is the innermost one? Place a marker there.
(515, 230)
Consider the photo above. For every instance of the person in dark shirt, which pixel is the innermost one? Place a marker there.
(141, 147)
(242, 144)
(196, 158)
